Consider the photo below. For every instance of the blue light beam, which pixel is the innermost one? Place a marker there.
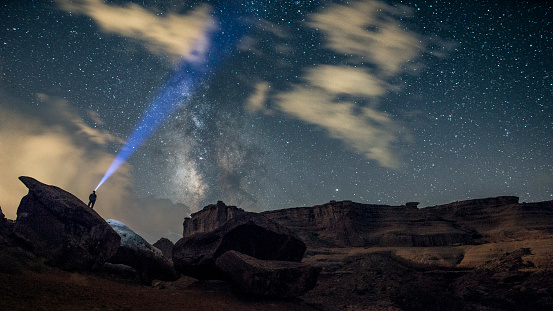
(180, 86)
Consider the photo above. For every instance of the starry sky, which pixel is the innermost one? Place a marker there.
(370, 101)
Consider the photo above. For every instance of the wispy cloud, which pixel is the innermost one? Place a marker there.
(179, 36)
(256, 102)
(342, 98)
(366, 130)
(371, 32)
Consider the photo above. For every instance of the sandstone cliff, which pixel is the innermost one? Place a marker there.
(346, 223)
(209, 218)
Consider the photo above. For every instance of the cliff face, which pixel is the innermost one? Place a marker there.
(499, 219)
(346, 223)
(350, 224)
(210, 218)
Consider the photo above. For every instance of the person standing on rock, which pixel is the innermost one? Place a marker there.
(92, 199)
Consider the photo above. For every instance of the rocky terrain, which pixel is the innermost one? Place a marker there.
(482, 254)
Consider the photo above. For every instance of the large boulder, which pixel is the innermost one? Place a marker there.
(56, 225)
(267, 277)
(135, 252)
(249, 233)
(166, 247)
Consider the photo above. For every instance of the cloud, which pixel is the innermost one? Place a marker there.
(366, 130)
(346, 80)
(342, 98)
(256, 102)
(52, 144)
(371, 32)
(179, 36)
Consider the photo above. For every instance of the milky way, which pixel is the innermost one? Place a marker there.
(370, 101)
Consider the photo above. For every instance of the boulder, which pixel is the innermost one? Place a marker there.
(5, 229)
(54, 224)
(249, 233)
(135, 252)
(267, 277)
(166, 247)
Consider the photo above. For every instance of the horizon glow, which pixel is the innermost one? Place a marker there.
(180, 86)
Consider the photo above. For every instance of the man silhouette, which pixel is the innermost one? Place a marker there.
(92, 199)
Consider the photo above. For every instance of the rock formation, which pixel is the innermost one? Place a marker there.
(350, 224)
(497, 219)
(249, 233)
(135, 252)
(209, 218)
(6, 229)
(267, 277)
(56, 225)
(166, 247)
(347, 224)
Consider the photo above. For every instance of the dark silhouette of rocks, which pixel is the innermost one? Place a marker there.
(6, 230)
(268, 277)
(481, 254)
(56, 225)
(249, 233)
(137, 253)
(166, 247)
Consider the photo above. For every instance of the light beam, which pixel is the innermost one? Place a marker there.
(181, 85)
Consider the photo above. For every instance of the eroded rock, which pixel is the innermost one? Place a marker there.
(268, 277)
(166, 247)
(249, 233)
(137, 253)
(56, 225)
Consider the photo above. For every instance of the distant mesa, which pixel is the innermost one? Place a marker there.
(350, 224)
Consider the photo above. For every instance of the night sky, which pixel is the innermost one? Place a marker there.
(370, 101)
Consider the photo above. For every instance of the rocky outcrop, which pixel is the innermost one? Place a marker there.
(498, 219)
(135, 252)
(267, 277)
(347, 224)
(210, 218)
(166, 247)
(54, 224)
(350, 224)
(6, 230)
(249, 233)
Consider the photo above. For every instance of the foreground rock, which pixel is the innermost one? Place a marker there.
(166, 247)
(6, 229)
(266, 277)
(56, 225)
(148, 261)
(249, 233)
